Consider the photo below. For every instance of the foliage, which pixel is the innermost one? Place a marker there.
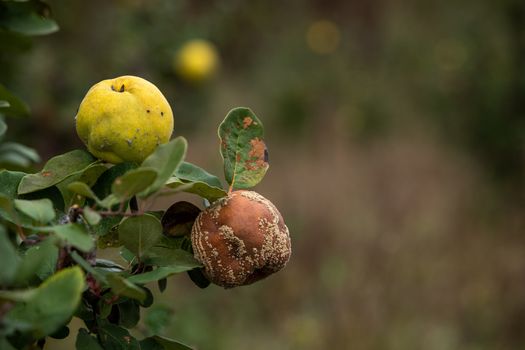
(53, 222)
(244, 153)
(49, 243)
(17, 20)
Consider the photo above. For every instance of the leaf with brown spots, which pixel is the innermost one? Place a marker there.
(56, 170)
(243, 148)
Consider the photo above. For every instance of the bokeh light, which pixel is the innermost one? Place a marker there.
(323, 37)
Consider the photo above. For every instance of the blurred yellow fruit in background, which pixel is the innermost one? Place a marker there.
(323, 37)
(196, 60)
(124, 119)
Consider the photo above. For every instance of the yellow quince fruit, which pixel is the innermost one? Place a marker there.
(196, 60)
(124, 119)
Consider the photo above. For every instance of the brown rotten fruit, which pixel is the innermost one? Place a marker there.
(240, 239)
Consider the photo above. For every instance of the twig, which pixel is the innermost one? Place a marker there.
(21, 233)
(116, 213)
(119, 212)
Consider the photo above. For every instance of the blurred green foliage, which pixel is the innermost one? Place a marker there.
(393, 65)
(18, 21)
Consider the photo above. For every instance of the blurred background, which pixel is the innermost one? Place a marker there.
(396, 132)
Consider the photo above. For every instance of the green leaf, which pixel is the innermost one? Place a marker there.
(87, 267)
(150, 344)
(120, 286)
(156, 213)
(167, 242)
(27, 17)
(192, 173)
(158, 318)
(17, 108)
(160, 273)
(17, 295)
(158, 343)
(105, 306)
(193, 179)
(51, 305)
(129, 313)
(26, 152)
(162, 284)
(14, 161)
(106, 226)
(40, 210)
(102, 187)
(62, 333)
(92, 217)
(127, 255)
(179, 218)
(139, 233)
(202, 189)
(6, 207)
(56, 170)
(8, 213)
(82, 189)
(51, 193)
(243, 148)
(91, 174)
(72, 234)
(32, 24)
(117, 338)
(38, 261)
(88, 177)
(86, 342)
(3, 128)
(85, 312)
(109, 201)
(133, 182)
(5, 345)
(171, 257)
(9, 259)
(149, 298)
(109, 239)
(75, 235)
(4, 104)
(9, 181)
(165, 161)
(197, 277)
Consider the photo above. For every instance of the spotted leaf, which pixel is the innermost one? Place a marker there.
(243, 148)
